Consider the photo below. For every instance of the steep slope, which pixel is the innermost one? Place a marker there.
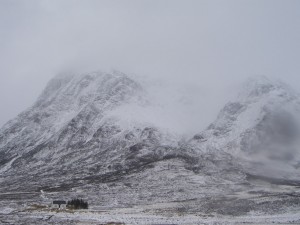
(70, 136)
(261, 126)
(65, 98)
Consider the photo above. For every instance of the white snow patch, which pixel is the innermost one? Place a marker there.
(8, 165)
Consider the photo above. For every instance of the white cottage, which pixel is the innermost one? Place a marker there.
(59, 204)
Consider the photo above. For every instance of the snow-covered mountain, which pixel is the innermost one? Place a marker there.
(75, 141)
(261, 126)
(73, 125)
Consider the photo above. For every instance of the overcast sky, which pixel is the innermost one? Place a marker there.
(203, 45)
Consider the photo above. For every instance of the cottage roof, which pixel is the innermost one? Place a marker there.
(59, 202)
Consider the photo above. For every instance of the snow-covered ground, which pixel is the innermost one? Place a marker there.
(136, 216)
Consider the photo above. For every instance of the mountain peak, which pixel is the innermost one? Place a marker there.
(257, 87)
(262, 122)
(55, 84)
(81, 89)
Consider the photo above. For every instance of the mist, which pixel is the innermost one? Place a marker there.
(191, 55)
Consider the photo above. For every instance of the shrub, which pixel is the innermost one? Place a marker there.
(77, 204)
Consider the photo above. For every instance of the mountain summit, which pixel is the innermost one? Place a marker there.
(72, 125)
(261, 125)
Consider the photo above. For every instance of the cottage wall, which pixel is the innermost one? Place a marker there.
(56, 206)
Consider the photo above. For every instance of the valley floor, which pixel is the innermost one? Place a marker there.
(131, 216)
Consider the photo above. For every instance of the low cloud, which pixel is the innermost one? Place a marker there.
(197, 51)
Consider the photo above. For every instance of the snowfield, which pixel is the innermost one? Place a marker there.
(136, 216)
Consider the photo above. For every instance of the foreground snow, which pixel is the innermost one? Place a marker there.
(137, 215)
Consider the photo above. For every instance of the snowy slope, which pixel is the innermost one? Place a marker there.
(76, 123)
(261, 126)
(82, 138)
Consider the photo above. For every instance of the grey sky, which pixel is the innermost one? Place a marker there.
(208, 45)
